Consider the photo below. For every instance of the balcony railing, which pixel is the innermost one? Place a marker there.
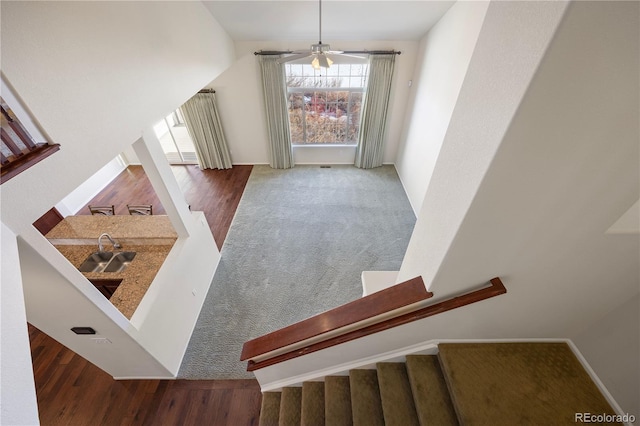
(18, 151)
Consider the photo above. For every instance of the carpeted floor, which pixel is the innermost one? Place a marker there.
(519, 384)
(297, 246)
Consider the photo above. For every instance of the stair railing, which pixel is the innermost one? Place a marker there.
(18, 151)
(385, 309)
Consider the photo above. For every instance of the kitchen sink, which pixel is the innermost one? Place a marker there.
(120, 261)
(96, 262)
(106, 261)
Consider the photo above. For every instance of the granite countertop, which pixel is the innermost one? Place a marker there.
(119, 226)
(151, 237)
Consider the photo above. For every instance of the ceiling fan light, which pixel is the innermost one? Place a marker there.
(321, 61)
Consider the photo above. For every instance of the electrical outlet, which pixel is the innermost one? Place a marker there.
(100, 340)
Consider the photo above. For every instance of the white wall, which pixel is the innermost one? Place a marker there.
(241, 106)
(18, 404)
(94, 75)
(611, 345)
(88, 189)
(498, 76)
(443, 58)
(168, 313)
(565, 171)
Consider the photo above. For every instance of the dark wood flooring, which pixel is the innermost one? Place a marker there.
(72, 391)
(214, 192)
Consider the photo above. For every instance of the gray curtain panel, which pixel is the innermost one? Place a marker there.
(203, 123)
(275, 100)
(370, 149)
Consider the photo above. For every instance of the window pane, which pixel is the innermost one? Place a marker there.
(353, 118)
(296, 117)
(324, 105)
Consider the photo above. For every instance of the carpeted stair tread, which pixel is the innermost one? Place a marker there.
(290, 406)
(365, 398)
(337, 397)
(312, 404)
(395, 393)
(270, 409)
(518, 383)
(430, 393)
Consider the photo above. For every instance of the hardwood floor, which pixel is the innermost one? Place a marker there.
(72, 391)
(215, 192)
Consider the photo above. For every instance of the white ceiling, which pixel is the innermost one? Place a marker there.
(297, 20)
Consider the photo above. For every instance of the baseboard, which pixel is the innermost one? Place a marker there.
(596, 379)
(404, 187)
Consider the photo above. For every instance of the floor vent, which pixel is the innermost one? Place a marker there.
(325, 167)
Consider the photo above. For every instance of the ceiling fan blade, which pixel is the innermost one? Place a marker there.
(346, 59)
(346, 55)
(293, 57)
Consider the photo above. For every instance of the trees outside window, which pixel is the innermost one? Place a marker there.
(324, 106)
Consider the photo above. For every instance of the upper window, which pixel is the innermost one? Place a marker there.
(324, 106)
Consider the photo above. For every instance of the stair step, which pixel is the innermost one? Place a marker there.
(337, 397)
(365, 398)
(270, 409)
(518, 383)
(312, 404)
(290, 406)
(395, 393)
(430, 394)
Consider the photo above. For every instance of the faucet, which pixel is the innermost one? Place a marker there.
(116, 245)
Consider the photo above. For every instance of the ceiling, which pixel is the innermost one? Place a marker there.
(297, 20)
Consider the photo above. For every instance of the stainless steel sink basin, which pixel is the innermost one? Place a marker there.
(96, 262)
(106, 261)
(120, 261)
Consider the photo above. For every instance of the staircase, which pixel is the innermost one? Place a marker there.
(465, 383)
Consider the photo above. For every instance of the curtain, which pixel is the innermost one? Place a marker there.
(373, 121)
(203, 123)
(275, 100)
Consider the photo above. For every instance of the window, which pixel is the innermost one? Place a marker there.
(175, 139)
(324, 106)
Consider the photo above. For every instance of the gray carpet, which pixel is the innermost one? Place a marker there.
(298, 243)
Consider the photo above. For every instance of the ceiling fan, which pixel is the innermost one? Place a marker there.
(320, 54)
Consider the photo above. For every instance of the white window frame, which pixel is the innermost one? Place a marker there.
(315, 81)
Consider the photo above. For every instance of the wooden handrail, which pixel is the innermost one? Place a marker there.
(381, 302)
(495, 289)
(22, 151)
(13, 168)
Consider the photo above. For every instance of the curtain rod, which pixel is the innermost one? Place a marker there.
(207, 91)
(348, 52)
